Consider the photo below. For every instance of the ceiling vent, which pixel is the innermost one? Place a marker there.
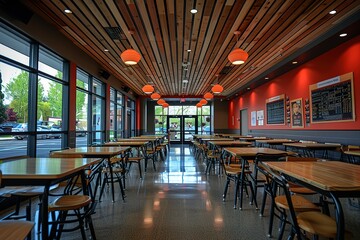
(226, 70)
(115, 33)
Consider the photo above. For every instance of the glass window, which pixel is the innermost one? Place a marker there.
(81, 118)
(97, 113)
(119, 117)
(205, 110)
(119, 98)
(50, 63)
(112, 120)
(50, 105)
(98, 87)
(175, 110)
(15, 85)
(189, 110)
(14, 47)
(82, 79)
(112, 94)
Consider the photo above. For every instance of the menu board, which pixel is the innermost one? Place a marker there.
(275, 110)
(333, 99)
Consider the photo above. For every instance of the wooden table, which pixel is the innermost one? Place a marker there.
(251, 139)
(101, 152)
(251, 151)
(310, 148)
(44, 172)
(273, 142)
(207, 139)
(223, 144)
(137, 143)
(331, 178)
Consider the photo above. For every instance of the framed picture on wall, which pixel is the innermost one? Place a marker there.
(296, 108)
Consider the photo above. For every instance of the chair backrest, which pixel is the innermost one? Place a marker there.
(278, 181)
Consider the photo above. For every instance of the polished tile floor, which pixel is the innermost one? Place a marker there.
(179, 201)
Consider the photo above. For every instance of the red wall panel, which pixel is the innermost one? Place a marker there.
(295, 84)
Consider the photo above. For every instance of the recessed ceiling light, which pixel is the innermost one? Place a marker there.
(248, 88)
(106, 50)
(189, 50)
(67, 11)
(294, 62)
(185, 81)
(343, 35)
(332, 12)
(193, 11)
(266, 78)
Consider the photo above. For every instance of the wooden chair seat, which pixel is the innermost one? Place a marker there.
(69, 202)
(319, 224)
(135, 159)
(235, 170)
(294, 188)
(10, 230)
(300, 203)
(114, 170)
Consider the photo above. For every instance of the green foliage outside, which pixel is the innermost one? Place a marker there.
(50, 106)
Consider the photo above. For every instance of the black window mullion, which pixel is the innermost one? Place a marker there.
(33, 97)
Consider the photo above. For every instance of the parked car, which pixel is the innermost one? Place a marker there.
(80, 134)
(7, 126)
(22, 127)
(56, 133)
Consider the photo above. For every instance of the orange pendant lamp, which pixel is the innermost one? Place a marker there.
(203, 102)
(198, 105)
(208, 96)
(238, 56)
(130, 57)
(161, 101)
(165, 105)
(217, 89)
(155, 96)
(148, 89)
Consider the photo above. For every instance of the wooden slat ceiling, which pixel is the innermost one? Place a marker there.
(164, 30)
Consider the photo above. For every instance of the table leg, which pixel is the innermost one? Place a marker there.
(111, 179)
(339, 214)
(44, 213)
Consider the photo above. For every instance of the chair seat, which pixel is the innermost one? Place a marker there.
(135, 159)
(300, 203)
(114, 170)
(69, 202)
(301, 190)
(235, 170)
(10, 230)
(319, 224)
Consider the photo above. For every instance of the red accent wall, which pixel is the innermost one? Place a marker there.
(295, 84)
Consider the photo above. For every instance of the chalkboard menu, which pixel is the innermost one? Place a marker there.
(275, 110)
(333, 99)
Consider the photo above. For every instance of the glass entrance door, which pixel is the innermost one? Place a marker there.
(174, 127)
(181, 128)
(190, 126)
